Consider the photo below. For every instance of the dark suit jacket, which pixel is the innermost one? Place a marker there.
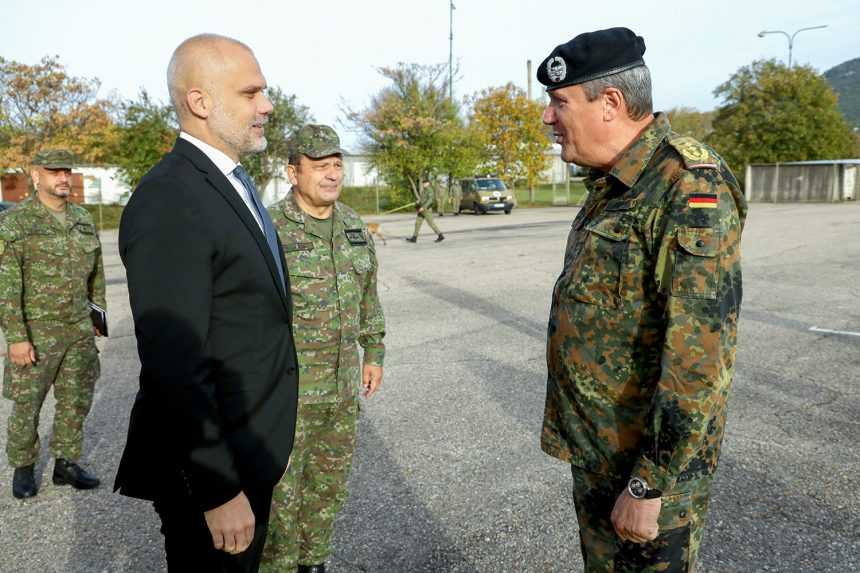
(216, 409)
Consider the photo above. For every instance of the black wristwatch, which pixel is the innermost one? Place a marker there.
(638, 488)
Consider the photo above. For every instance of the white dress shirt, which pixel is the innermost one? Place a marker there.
(226, 166)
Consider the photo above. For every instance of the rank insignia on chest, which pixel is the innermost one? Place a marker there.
(291, 247)
(702, 201)
(355, 236)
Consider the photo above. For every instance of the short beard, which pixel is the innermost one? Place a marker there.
(237, 136)
(55, 192)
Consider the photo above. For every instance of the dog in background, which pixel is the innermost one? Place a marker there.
(375, 230)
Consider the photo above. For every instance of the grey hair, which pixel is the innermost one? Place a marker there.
(634, 84)
(179, 59)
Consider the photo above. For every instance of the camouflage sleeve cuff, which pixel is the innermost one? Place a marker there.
(374, 355)
(15, 333)
(655, 476)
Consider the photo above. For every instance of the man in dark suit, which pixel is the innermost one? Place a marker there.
(212, 426)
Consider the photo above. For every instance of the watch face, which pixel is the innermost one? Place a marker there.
(637, 488)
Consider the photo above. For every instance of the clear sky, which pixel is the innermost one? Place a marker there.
(327, 52)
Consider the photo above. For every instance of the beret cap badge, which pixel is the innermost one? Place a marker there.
(556, 69)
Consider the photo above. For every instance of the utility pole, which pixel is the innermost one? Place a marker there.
(529, 78)
(451, 50)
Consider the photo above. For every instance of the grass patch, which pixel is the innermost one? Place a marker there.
(105, 216)
(544, 196)
(364, 199)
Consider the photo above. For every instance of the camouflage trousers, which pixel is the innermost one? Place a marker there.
(681, 521)
(455, 203)
(313, 489)
(441, 200)
(67, 359)
(419, 220)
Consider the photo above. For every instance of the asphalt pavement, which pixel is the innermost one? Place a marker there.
(449, 476)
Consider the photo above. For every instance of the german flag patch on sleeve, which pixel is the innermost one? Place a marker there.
(702, 201)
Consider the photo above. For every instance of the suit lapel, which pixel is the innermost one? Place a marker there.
(219, 181)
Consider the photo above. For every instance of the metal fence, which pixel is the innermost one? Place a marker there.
(803, 181)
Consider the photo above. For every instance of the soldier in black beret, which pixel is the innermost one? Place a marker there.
(643, 321)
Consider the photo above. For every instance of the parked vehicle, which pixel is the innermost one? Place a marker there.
(484, 194)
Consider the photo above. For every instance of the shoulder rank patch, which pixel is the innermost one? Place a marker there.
(355, 236)
(702, 201)
(695, 154)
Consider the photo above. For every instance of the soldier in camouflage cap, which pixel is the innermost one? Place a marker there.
(50, 270)
(332, 264)
(643, 321)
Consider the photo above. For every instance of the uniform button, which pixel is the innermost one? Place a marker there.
(700, 243)
(601, 359)
(683, 514)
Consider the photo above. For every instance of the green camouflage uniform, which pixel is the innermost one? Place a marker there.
(335, 306)
(425, 201)
(641, 343)
(456, 196)
(48, 273)
(441, 193)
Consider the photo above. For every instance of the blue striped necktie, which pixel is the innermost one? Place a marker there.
(268, 227)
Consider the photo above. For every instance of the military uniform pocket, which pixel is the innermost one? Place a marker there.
(597, 272)
(675, 511)
(695, 273)
(362, 264)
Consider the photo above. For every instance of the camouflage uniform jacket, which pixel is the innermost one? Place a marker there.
(335, 303)
(48, 271)
(643, 322)
(426, 197)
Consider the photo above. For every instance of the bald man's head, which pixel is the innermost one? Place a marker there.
(216, 88)
(198, 62)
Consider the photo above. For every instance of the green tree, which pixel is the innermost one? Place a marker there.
(286, 118)
(508, 124)
(43, 107)
(772, 113)
(411, 128)
(691, 122)
(148, 129)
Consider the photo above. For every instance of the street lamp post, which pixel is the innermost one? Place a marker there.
(790, 38)
(451, 50)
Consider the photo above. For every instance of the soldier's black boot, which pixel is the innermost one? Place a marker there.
(411, 239)
(440, 238)
(312, 568)
(70, 473)
(24, 482)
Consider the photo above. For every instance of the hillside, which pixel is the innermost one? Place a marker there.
(845, 79)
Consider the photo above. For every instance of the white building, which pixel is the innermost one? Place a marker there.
(103, 185)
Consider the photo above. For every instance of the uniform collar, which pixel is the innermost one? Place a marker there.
(72, 215)
(635, 158)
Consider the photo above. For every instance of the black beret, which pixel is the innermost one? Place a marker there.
(590, 56)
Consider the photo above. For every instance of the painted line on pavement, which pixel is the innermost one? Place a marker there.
(828, 331)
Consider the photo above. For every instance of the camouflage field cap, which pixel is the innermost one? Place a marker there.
(55, 159)
(316, 141)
